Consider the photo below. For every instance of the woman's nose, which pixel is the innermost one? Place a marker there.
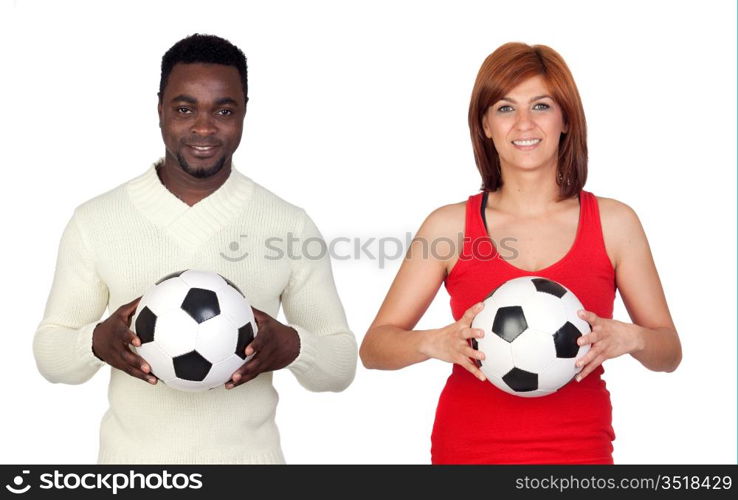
(523, 119)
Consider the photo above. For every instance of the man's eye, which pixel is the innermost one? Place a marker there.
(541, 106)
(225, 112)
(183, 110)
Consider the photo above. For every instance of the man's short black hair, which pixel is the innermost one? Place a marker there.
(208, 49)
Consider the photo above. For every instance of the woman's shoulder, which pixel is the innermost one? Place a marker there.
(444, 220)
(620, 226)
(615, 212)
(450, 211)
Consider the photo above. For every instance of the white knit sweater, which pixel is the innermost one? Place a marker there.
(117, 245)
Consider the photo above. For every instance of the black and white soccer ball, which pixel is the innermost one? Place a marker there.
(530, 342)
(194, 326)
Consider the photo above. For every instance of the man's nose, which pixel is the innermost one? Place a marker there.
(203, 125)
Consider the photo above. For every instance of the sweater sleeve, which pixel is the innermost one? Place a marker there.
(62, 344)
(328, 350)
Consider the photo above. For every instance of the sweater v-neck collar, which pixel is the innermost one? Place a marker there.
(189, 225)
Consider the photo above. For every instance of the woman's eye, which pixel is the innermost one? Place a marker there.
(541, 106)
(504, 109)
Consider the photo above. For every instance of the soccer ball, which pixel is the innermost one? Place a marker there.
(530, 341)
(194, 327)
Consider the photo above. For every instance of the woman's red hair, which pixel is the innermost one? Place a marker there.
(504, 69)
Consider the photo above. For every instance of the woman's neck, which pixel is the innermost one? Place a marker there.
(527, 193)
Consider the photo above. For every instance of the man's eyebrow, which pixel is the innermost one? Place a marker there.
(185, 98)
(226, 100)
(191, 100)
(536, 98)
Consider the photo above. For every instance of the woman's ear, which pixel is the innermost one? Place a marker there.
(486, 129)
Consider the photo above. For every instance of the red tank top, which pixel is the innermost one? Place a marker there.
(479, 423)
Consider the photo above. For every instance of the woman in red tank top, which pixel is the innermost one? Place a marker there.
(532, 218)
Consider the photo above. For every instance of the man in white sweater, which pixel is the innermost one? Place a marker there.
(185, 212)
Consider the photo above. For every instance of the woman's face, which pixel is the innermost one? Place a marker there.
(525, 126)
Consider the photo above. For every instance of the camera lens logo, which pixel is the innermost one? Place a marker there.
(18, 482)
(234, 248)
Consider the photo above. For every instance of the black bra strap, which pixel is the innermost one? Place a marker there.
(482, 209)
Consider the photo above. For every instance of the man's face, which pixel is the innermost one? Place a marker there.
(201, 117)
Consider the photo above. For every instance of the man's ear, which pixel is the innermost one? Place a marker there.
(158, 107)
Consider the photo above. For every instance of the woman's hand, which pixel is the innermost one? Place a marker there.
(609, 339)
(451, 343)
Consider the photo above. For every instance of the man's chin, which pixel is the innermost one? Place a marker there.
(201, 171)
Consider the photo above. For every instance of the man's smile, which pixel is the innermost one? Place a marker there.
(202, 151)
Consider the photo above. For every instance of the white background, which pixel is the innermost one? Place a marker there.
(357, 113)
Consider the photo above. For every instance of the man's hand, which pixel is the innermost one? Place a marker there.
(275, 346)
(111, 340)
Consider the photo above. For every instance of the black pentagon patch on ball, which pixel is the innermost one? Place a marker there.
(475, 346)
(201, 304)
(245, 336)
(191, 366)
(231, 284)
(548, 286)
(170, 276)
(509, 323)
(521, 381)
(565, 340)
(145, 325)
